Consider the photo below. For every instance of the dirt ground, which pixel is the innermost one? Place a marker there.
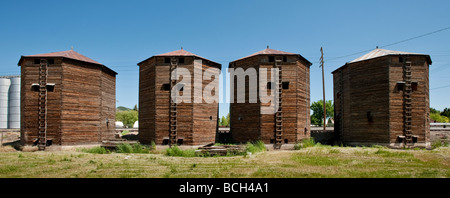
(9, 138)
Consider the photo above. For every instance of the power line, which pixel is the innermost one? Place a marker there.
(440, 87)
(339, 57)
(395, 43)
(412, 38)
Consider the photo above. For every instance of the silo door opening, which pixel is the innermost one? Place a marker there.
(47, 142)
(179, 141)
(165, 141)
(35, 87)
(50, 87)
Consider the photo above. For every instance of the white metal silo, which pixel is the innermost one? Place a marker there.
(119, 124)
(14, 104)
(4, 90)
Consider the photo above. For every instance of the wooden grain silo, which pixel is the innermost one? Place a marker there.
(163, 121)
(290, 121)
(66, 99)
(383, 98)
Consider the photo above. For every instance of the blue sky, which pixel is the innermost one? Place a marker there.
(120, 34)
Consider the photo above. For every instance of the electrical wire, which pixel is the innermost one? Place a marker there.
(391, 44)
(446, 86)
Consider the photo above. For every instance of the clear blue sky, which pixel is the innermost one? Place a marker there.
(120, 34)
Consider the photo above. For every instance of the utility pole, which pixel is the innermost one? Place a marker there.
(323, 85)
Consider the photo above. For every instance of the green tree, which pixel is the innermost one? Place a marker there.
(317, 108)
(223, 121)
(446, 113)
(122, 108)
(439, 118)
(228, 119)
(433, 110)
(315, 120)
(127, 117)
(135, 107)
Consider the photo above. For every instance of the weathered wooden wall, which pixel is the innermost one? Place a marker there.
(30, 102)
(420, 99)
(245, 117)
(77, 109)
(371, 86)
(255, 125)
(108, 100)
(185, 111)
(205, 114)
(194, 126)
(81, 103)
(303, 101)
(369, 95)
(147, 105)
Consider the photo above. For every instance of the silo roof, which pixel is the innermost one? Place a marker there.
(180, 52)
(269, 51)
(70, 54)
(382, 52)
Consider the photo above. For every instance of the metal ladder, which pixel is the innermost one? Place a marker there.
(407, 103)
(42, 135)
(173, 106)
(279, 113)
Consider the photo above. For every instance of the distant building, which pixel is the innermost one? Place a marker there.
(67, 99)
(9, 102)
(383, 98)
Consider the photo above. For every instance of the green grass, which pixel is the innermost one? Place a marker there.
(305, 143)
(121, 148)
(386, 153)
(96, 150)
(440, 143)
(135, 148)
(312, 160)
(124, 132)
(175, 151)
(153, 146)
(255, 147)
(318, 161)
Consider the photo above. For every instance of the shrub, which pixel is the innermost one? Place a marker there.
(439, 118)
(439, 143)
(124, 148)
(124, 132)
(255, 147)
(96, 150)
(135, 148)
(139, 148)
(176, 151)
(153, 146)
(305, 143)
(127, 117)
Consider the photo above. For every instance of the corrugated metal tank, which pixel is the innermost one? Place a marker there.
(4, 90)
(14, 104)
